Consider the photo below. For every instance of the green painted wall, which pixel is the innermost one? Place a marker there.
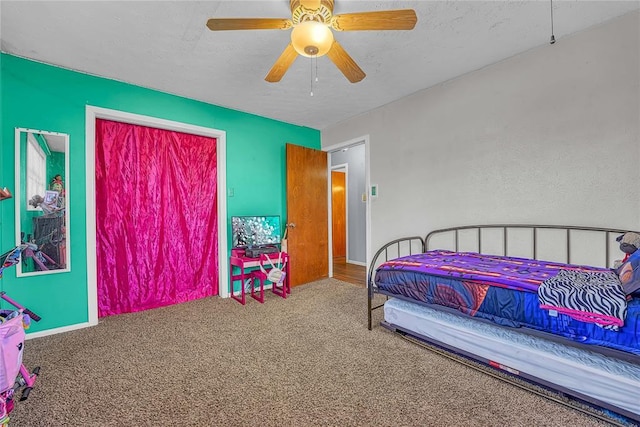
(44, 97)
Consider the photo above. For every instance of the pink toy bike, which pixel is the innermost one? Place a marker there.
(13, 374)
(30, 250)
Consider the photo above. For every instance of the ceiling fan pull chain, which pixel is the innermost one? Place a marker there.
(311, 74)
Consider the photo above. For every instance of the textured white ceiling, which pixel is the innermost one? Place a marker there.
(165, 45)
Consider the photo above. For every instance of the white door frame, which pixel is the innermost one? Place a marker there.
(93, 113)
(367, 178)
(344, 166)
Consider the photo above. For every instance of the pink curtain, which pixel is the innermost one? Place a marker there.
(156, 217)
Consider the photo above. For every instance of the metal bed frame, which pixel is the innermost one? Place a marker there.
(415, 244)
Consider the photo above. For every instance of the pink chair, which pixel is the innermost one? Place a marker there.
(274, 268)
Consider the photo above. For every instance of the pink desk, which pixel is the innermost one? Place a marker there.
(239, 260)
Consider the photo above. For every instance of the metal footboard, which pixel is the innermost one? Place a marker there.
(394, 249)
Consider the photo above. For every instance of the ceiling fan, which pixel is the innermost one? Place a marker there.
(312, 21)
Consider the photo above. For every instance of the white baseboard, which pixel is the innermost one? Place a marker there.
(364, 264)
(58, 330)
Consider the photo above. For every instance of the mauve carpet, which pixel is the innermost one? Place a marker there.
(308, 360)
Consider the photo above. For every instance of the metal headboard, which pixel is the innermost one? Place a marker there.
(606, 232)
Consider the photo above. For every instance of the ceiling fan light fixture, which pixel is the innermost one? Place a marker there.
(311, 38)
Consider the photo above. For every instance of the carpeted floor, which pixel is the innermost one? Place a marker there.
(308, 360)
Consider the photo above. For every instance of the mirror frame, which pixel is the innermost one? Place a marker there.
(21, 201)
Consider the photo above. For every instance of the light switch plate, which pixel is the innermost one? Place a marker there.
(374, 191)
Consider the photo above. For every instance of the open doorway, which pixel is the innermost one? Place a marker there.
(348, 213)
(339, 179)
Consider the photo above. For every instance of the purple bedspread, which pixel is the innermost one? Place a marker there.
(509, 272)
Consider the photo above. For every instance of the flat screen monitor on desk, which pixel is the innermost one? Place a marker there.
(254, 231)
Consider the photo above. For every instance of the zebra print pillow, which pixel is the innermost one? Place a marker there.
(588, 296)
(629, 274)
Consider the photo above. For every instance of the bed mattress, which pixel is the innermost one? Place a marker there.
(607, 380)
(506, 299)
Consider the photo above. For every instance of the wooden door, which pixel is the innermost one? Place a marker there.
(308, 236)
(339, 213)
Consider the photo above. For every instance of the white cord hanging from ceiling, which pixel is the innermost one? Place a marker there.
(553, 39)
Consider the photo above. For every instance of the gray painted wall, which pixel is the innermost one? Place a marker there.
(548, 136)
(357, 209)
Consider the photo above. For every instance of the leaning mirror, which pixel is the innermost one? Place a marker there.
(42, 198)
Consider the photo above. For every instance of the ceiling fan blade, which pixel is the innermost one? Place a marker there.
(345, 63)
(404, 19)
(282, 64)
(222, 24)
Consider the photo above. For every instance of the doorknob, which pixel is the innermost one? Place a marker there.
(290, 225)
